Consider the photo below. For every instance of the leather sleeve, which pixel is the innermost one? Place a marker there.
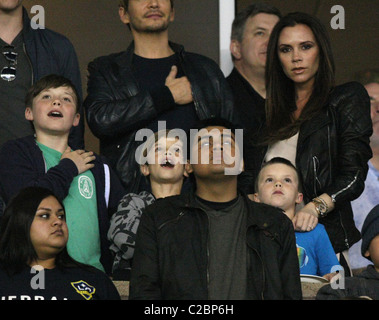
(354, 128)
(114, 105)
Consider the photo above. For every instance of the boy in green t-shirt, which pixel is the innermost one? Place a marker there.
(88, 187)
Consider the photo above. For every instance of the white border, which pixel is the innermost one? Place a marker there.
(226, 17)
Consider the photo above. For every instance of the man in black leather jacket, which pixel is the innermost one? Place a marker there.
(153, 80)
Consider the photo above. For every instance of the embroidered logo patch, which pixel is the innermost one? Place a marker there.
(85, 187)
(84, 289)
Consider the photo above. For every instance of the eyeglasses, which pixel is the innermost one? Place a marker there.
(9, 72)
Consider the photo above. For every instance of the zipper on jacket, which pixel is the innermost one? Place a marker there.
(345, 233)
(263, 270)
(174, 220)
(333, 196)
(315, 165)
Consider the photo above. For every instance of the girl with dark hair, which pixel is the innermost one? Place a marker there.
(34, 263)
(323, 129)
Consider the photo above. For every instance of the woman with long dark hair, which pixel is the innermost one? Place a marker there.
(323, 129)
(34, 263)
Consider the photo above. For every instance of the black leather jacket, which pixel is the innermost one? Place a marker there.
(171, 256)
(332, 154)
(116, 107)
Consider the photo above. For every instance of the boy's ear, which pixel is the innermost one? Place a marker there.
(256, 197)
(29, 114)
(367, 254)
(76, 120)
(145, 169)
(299, 198)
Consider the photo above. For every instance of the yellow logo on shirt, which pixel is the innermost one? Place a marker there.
(84, 289)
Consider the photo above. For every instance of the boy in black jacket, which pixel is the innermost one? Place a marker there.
(87, 186)
(214, 243)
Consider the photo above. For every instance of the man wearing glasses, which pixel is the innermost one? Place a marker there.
(26, 54)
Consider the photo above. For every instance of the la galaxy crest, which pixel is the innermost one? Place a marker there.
(85, 186)
(84, 289)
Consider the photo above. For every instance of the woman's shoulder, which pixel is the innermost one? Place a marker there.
(352, 103)
(348, 90)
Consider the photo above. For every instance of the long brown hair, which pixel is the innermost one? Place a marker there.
(281, 100)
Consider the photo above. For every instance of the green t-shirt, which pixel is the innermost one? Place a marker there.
(81, 213)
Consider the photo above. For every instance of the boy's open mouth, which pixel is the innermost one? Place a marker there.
(167, 164)
(55, 114)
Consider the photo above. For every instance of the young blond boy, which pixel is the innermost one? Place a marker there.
(278, 185)
(87, 186)
(165, 170)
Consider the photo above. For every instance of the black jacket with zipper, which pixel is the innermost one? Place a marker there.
(117, 107)
(332, 156)
(171, 260)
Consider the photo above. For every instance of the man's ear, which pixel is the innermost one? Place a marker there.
(145, 169)
(235, 49)
(172, 15)
(367, 254)
(188, 168)
(29, 114)
(124, 15)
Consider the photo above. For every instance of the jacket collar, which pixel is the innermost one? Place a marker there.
(25, 21)
(370, 273)
(311, 126)
(256, 216)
